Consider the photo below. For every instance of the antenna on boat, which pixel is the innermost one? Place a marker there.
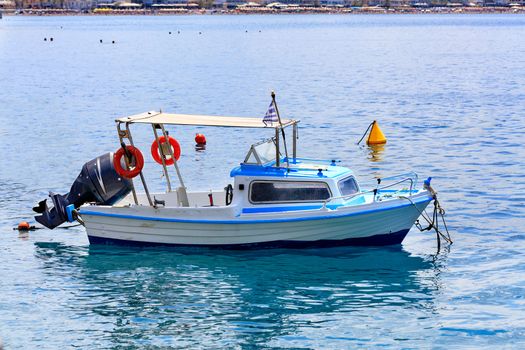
(282, 131)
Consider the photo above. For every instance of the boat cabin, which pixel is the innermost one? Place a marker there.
(259, 183)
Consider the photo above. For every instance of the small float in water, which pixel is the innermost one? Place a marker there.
(273, 200)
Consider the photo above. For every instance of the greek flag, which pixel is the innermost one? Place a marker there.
(271, 115)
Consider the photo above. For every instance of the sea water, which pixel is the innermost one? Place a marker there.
(447, 90)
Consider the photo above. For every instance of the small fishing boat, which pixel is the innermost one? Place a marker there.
(273, 200)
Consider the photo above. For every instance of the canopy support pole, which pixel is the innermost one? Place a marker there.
(181, 191)
(121, 135)
(162, 155)
(141, 174)
(294, 142)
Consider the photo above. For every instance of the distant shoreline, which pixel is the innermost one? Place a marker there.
(264, 10)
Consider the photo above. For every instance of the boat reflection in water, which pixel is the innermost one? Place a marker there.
(226, 298)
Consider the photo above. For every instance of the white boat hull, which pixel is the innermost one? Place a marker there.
(380, 223)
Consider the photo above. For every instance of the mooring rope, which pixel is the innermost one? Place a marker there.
(362, 137)
(434, 223)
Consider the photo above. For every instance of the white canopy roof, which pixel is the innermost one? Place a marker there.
(200, 120)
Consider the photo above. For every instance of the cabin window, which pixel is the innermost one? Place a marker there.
(348, 186)
(287, 191)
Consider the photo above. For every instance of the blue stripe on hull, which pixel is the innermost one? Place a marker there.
(244, 222)
(377, 240)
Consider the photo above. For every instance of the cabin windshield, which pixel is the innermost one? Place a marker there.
(348, 186)
(261, 153)
(288, 191)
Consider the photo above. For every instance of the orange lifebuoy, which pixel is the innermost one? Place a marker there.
(136, 169)
(175, 147)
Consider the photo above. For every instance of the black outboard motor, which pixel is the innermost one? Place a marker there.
(97, 182)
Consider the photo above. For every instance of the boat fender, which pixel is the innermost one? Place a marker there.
(135, 169)
(175, 148)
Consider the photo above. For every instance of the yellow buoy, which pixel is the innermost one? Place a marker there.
(376, 136)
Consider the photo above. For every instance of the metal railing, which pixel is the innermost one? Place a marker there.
(412, 175)
(409, 177)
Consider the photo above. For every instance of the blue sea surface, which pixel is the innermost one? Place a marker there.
(447, 90)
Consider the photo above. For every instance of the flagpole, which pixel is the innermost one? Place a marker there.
(282, 130)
